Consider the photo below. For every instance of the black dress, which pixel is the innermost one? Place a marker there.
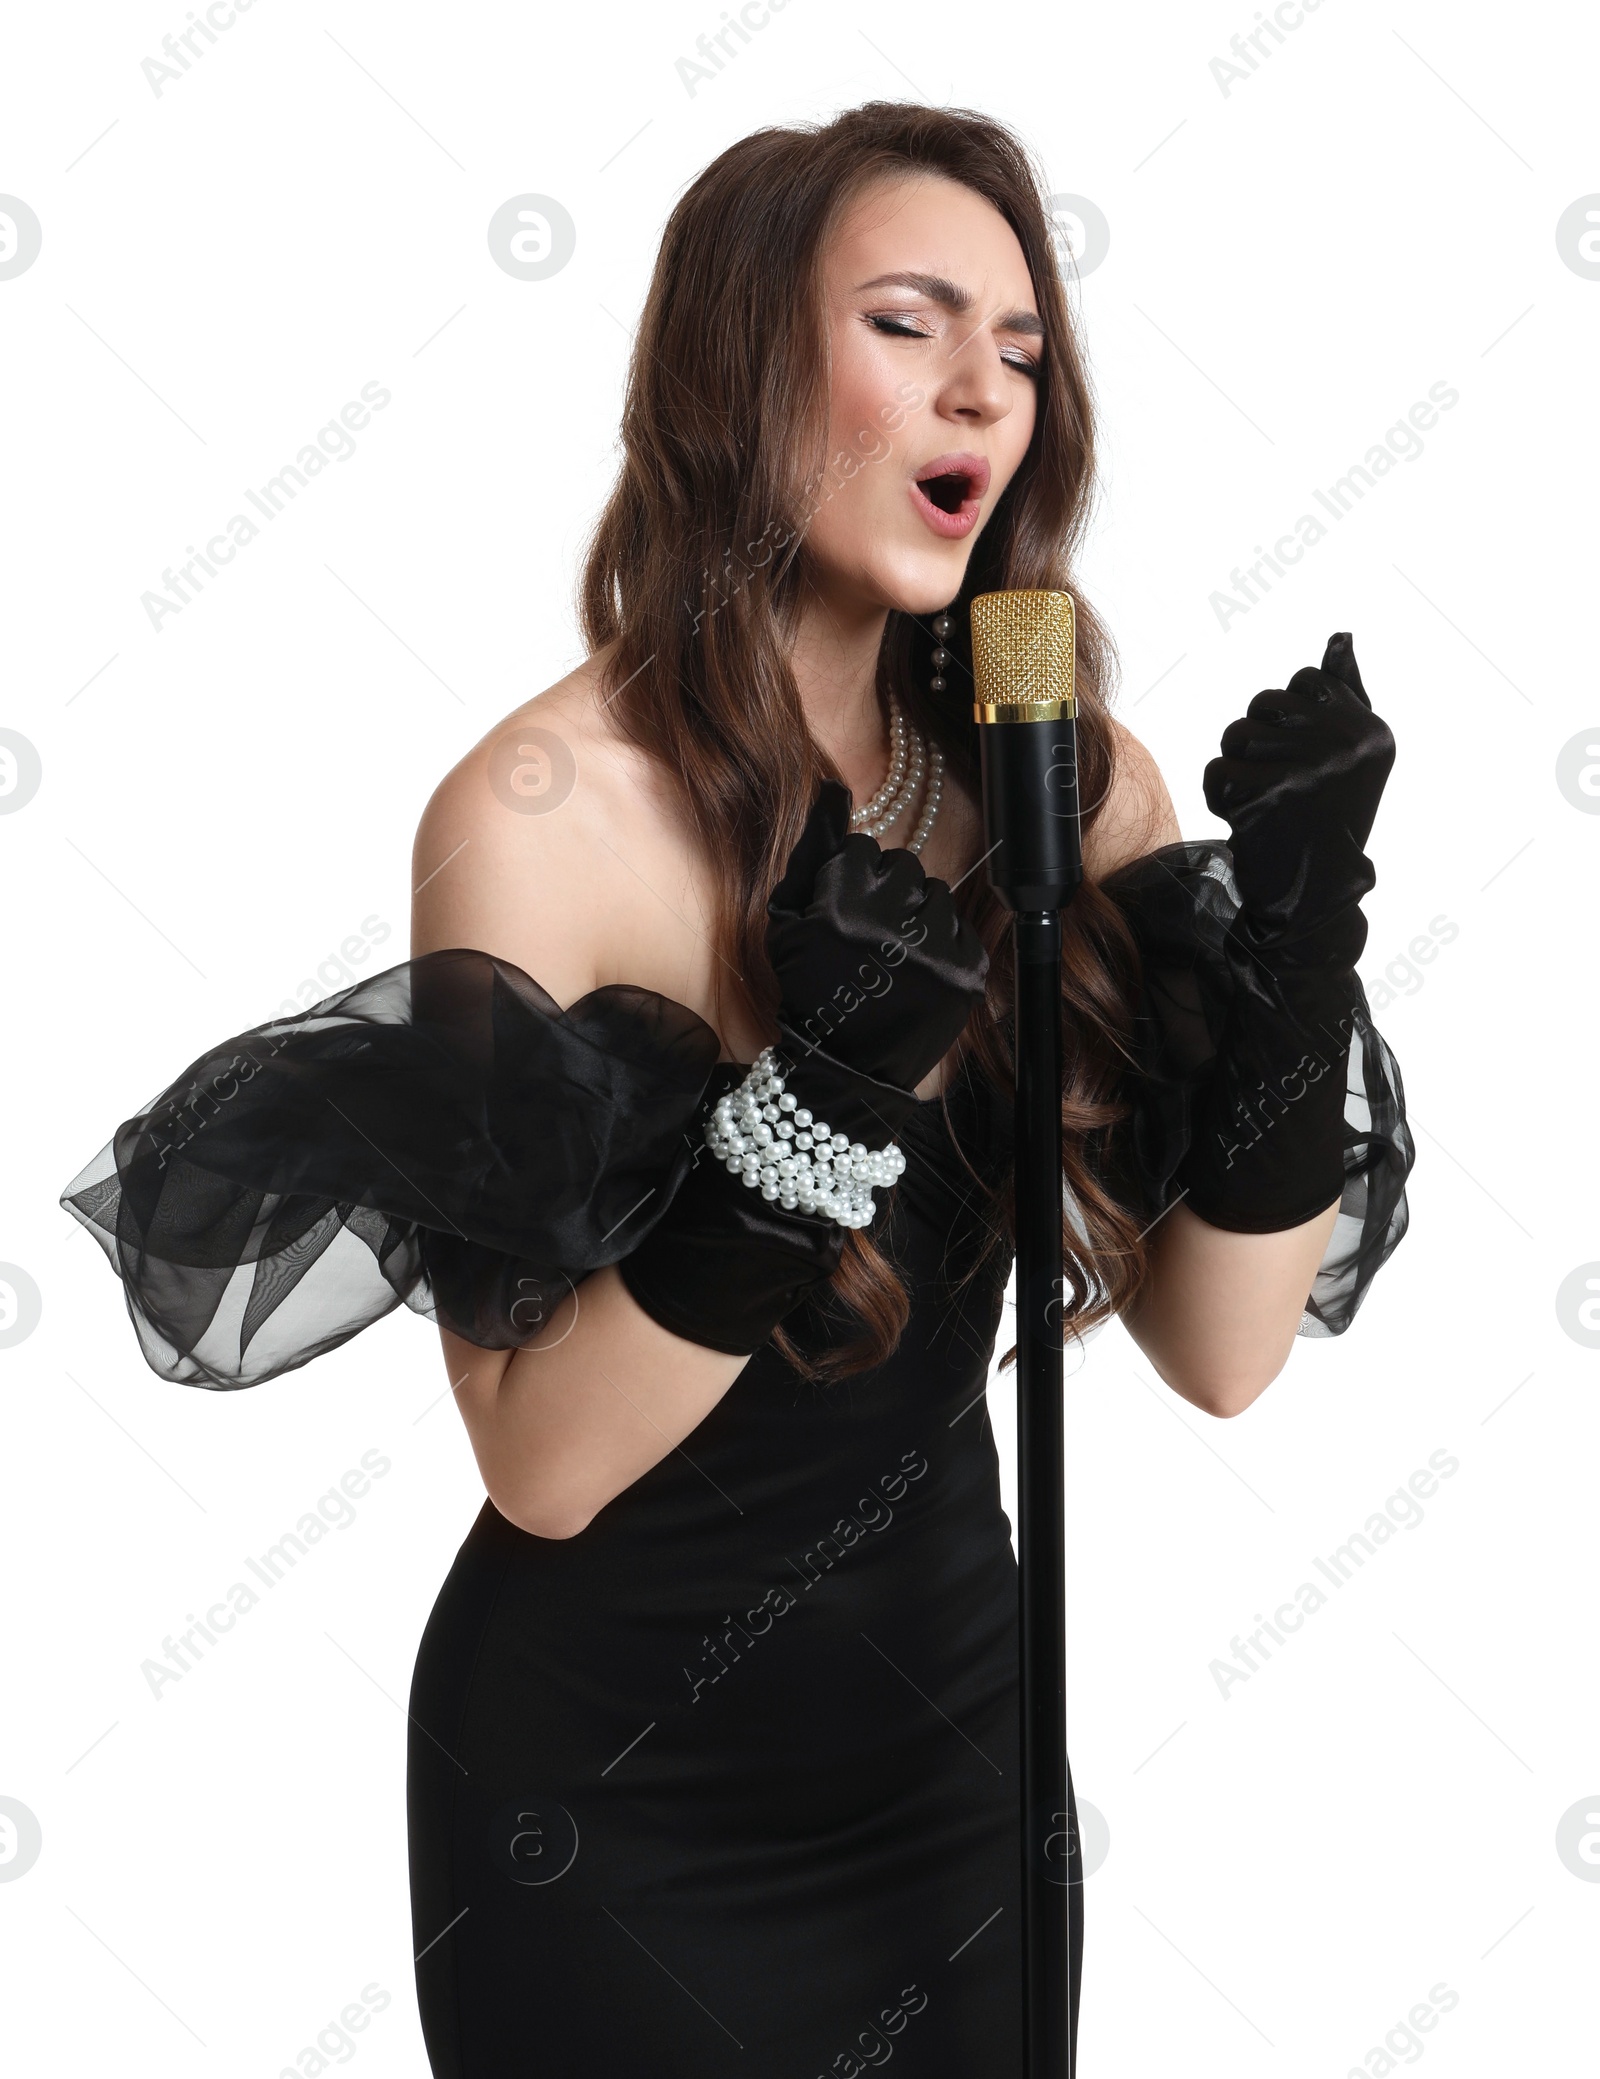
(726, 1783)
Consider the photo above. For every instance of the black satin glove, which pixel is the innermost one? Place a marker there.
(1298, 781)
(877, 975)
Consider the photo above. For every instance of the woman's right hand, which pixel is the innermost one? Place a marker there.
(875, 964)
(878, 974)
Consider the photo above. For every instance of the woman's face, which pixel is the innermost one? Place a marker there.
(936, 345)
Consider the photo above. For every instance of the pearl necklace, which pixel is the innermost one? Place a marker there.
(910, 756)
(907, 746)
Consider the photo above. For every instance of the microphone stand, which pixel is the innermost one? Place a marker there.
(1022, 647)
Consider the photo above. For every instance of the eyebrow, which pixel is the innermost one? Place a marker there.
(940, 289)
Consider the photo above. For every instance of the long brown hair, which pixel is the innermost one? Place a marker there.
(696, 570)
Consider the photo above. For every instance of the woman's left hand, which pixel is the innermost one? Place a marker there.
(1298, 781)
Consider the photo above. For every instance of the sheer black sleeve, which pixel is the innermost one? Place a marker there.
(440, 1134)
(1179, 902)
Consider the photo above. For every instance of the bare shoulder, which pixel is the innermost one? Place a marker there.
(530, 846)
(1138, 815)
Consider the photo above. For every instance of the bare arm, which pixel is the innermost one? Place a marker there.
(1218, 1316)
(561, 1426)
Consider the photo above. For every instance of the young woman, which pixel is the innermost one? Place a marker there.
(714, 1723)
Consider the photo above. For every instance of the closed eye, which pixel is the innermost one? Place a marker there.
(903, 328)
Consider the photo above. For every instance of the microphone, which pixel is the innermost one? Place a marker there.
(1023, 658)
(1027, 715)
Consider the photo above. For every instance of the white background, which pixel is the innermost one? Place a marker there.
(1292, 263)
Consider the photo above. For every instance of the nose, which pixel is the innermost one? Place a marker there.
(974, 384)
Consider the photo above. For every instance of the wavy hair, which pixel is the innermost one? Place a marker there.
(696, 570)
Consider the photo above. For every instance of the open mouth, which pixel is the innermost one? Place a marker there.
(948, 491)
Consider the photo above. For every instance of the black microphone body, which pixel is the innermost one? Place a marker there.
(1030, 810)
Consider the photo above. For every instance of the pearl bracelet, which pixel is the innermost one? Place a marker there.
(765, 1137)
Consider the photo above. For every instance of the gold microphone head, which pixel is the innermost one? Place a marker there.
(1023, 657)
